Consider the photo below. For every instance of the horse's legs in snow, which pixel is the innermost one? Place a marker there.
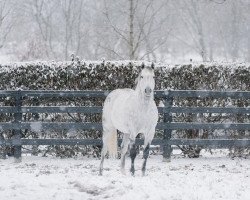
(132, 155)
(124, 149)
(145, 157)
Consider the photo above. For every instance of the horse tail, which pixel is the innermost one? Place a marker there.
(109, 131)
(112, 143)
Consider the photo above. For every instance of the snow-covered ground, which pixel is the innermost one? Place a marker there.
(209, 177)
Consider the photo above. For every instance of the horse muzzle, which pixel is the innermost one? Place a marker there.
(148, 91)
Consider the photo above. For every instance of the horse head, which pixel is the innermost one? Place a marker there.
(146, 81)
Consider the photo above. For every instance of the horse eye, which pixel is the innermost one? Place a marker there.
(141, 76)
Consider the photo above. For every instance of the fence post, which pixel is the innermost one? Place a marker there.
(3, 147)
(167, 118)
(18, 132)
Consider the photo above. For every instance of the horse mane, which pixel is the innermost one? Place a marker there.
(136, 81)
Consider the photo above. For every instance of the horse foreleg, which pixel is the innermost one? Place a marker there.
(145, 157)
(132, 156)
(124, 149)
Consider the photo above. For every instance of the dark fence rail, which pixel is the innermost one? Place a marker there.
(18, 125)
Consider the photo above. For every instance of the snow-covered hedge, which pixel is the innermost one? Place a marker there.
(104, 75)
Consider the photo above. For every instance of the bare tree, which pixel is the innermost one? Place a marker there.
(6, 24)
(141, 26)
(131, 29)
(74, 28)
(234, 47)
(247, 31)
(42, 11)
(193, 21)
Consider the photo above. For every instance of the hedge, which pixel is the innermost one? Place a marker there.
(110, 75)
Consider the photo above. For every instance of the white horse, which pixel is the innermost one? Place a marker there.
(131, 112)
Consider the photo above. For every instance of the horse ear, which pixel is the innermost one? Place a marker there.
(153, 65)
(142, 65)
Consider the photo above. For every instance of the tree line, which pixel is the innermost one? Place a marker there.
(162, 30)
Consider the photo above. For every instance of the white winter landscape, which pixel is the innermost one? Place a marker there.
(212, 176)
(65, 46)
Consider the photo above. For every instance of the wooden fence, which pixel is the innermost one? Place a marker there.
(167, 125)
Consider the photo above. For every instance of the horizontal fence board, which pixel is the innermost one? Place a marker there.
(182, 125)
(58, 141)
(211, 142)
(8, 93)
(102, 94)
(202, 94)
(227, 110)
(65, 94)
(157, 141)
(54, 93)
(98, 109)
(62, 109)
(61, 142)
(8, 109)
(38, 126)
(52, 109)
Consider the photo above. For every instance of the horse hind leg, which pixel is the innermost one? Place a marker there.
(103, 153)
(124, 149)
(109, 145)
(104, 150)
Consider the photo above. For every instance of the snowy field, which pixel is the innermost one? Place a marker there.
(209, 177)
